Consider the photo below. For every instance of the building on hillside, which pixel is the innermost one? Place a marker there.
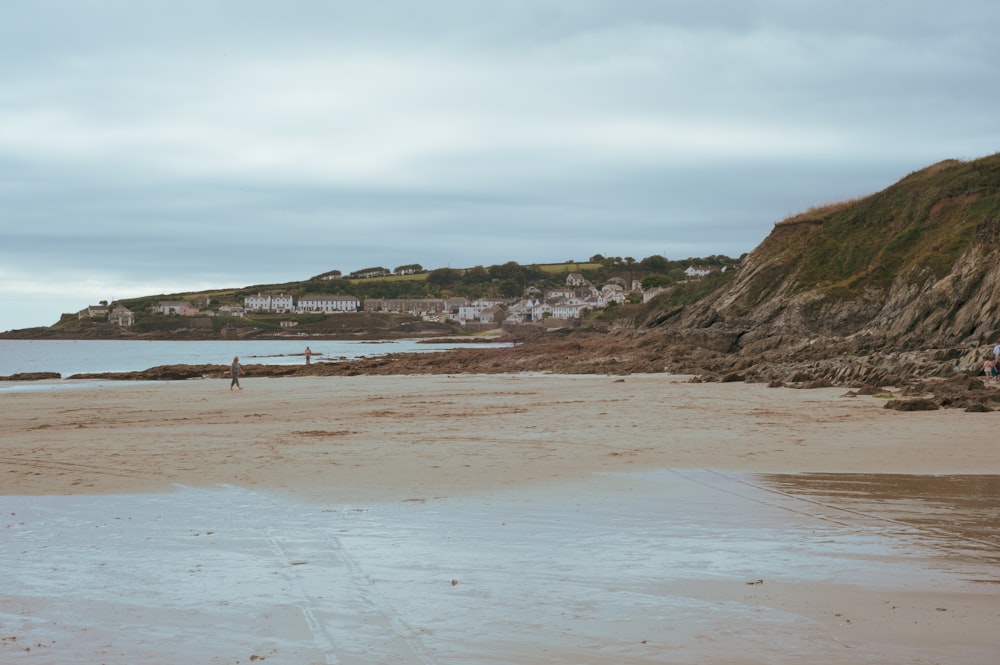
(495, 314)
(522, 311)
(652, 293)
(467, 313)
(490, 302)
(93, 312)
(575, 279)
(122, 315)
(617, 297)
(413, 306)
(278, 303)
(282, 302)
(569, 310)
(453, 304)
(559, 294)
(231, 310)
(328, 303)
(178, 307)
(698, 272)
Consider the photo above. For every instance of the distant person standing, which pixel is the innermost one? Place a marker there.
(236, 369)
(996, 353)
(309, 354)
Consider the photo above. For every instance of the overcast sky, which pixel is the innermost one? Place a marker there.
(153, 147)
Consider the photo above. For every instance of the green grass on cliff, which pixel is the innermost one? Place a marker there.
(914, 229)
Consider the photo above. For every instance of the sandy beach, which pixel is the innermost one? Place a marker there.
(504, 518)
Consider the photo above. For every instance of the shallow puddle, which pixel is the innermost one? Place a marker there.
(957, 517)
(665, 567)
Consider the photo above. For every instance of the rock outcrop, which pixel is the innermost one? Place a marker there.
(901, 285)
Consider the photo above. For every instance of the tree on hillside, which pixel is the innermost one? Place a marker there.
(657, 279)
(476, 275)
(655, 263)
(444, 277)
(368, 273)
(513, 287)
(505, 271)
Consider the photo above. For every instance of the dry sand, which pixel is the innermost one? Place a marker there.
(476, 447)
(390, 437)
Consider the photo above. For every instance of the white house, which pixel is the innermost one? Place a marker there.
(614, 296)
(489, 302)
(328, 303)
(179, 307)
(568, 310)
(469, 312)
(258, 303)
(556, 294)
(539, 310)
(269, 302)
(282, 302)
(697, 272)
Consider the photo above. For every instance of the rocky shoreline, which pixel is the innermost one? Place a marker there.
(935, 376)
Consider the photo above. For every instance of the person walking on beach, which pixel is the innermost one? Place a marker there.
(309, 354)
(236, 368)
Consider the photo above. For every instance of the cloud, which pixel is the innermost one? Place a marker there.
(157, 142)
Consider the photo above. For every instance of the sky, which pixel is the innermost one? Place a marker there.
(152, 147)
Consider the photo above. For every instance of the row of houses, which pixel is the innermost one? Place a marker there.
(570, 301)
(567, 302)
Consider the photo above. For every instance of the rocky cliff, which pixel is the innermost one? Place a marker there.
(905, 282)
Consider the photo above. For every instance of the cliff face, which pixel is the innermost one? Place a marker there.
(914, 269)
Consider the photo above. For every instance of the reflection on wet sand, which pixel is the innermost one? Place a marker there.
(957, 516)
(677, 566)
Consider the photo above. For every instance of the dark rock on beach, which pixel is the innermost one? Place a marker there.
(31, 376)
(918, 404)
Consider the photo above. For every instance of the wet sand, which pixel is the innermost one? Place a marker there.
(495, 519)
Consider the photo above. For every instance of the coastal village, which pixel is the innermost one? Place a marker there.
(564, 305)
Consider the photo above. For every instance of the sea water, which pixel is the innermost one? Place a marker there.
(69, 357)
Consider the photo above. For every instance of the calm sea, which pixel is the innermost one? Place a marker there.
(70, 357)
